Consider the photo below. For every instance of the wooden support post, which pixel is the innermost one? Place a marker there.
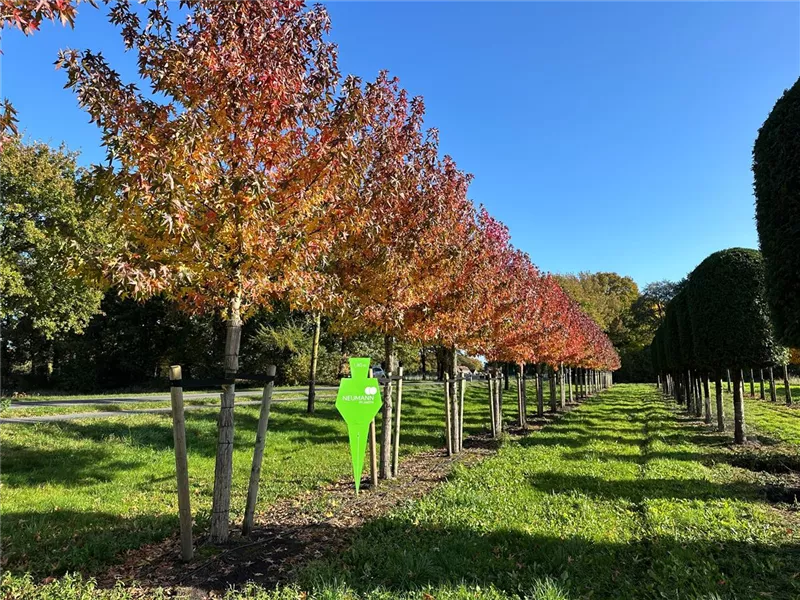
(720, 405)
(492, 406)
(258, 453)
(786, 387)
(181, 463)
(520, 418)
(739, 431)
(396, 461)
(461, 414)
(448, 424)
(539, 392)
(772, 393)
(499, 400)
(373, 452)
(386, 430)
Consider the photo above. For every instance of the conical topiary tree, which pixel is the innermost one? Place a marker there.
(730, 320)
(776, 170)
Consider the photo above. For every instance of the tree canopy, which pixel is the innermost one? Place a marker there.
(776, 170)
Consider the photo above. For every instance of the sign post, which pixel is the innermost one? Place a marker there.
(358, 401)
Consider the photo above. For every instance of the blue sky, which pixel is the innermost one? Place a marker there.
(607, 136)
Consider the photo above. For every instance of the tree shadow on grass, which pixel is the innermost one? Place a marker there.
(397, 556)
(53, 542)
(68, 467)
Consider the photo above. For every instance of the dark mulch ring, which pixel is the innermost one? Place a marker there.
(290, 533)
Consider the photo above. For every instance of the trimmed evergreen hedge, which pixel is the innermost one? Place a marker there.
(776, 170)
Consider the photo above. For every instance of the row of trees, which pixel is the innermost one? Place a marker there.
(251, 173)
(718, 322)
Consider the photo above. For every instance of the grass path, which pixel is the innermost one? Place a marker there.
(614, 501)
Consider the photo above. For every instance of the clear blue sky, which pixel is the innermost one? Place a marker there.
(608, 137)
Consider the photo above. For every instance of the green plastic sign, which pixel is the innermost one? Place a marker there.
(358, 401)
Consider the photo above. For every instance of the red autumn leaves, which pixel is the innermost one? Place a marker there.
(256, 173)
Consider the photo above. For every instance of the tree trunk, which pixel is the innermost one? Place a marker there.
(752, 384)
(422, 362)
(454, 399)
(761, 383)
(223, 469)
(707, 397)
(720, 405)
(552, 382)
(561, 385)
(699, 384)
(258, 454)
(312, 375)
(729, 380)
(386, 421)
(787, 389)
(342, 358)
(772, 392)
(739, 434)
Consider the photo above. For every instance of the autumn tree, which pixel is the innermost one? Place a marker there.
(224, 165)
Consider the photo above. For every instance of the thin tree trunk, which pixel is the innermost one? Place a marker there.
(761, 383)
(258, 453)
(787, 389)
(699, 384)
(552, 383)
(423, 362)
(561, 385)
(707, 397)
(373, 455)
(729, 380)
(720, 405)
(312, 375)
(569, 384)
(739, 433)
(773, 396)
(752, 384)
(223, 468)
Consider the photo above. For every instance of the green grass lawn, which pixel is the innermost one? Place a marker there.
(613, 501)
(211, 403)
(77, 493)
(623, 498)
(775, 420)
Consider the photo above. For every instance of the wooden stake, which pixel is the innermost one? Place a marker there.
(258, 453)
(492, 408)
(396, 461)
(448, 424)
(386, 429)
(373, 451)
(461, 414)
(181, 464)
